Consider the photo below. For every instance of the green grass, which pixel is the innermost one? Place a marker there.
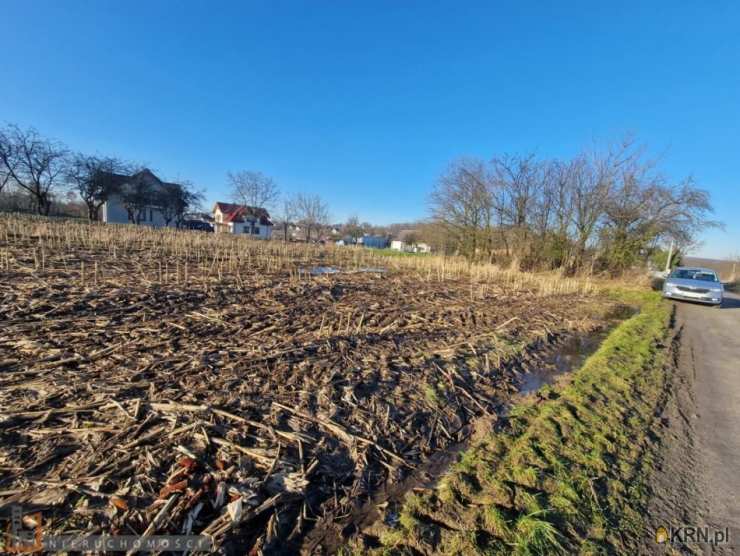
(569, 474)
(394, 253)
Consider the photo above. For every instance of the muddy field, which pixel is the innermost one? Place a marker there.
(156, 382)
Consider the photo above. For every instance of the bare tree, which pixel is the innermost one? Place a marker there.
(136, 196)
(173, 200)
(287, 214)
(462, 202)
(517, 181)
(33, 163)
(6, 174)
(518, 178)
(253, 189)
(353, 228)
(313, 213)
(643, 207)
(612, 204)
(95, 179)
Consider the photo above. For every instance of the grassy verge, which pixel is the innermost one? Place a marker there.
(568, 476)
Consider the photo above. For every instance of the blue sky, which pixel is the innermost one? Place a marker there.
(366, 103)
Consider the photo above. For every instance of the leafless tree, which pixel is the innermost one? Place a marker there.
(6, 175)
(643, 208)
(353, 228)
(173, 200)
(253, 189)
(518, 177)
(136, 196)
(95, 179)
(33, 163)
(287, 214)
(613, 204)
(313, 213)
(462, 202)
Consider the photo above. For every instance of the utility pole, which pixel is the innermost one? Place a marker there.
(668, 260)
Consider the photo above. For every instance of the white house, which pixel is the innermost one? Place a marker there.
(242, 219)
(408, 244)
(114, 210)
(398, 245)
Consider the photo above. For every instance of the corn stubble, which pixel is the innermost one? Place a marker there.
(213, 379)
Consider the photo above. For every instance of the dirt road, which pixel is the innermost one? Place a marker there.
(698, 478)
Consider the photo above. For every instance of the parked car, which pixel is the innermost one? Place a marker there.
(694, 284)
(198, 225)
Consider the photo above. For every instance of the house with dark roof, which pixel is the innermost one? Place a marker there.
(242, 219)
(147, 185)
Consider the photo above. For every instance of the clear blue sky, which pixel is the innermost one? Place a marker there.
(366, 102)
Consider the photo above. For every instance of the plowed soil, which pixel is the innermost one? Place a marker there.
(243, 400)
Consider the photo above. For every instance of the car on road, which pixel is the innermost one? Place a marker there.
(197, 225)
(694, 284)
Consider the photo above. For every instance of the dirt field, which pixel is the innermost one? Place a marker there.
(156, 382)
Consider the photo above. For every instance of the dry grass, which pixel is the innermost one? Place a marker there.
(221, 257)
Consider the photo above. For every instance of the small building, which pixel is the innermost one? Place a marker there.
(242, 219)
(115, 211)
(406, 241)
(398, 245)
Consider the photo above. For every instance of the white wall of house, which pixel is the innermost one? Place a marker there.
(218, 217)
(113, 212)
(255, 230)
(398, 245)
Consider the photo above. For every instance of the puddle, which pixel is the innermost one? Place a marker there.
(570, 355)
(369, 269)
(321, 270)
(384, 507)
(567, 358)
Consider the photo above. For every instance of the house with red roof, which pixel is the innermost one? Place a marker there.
(242, 219)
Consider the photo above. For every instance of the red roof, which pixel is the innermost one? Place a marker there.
(238, 213)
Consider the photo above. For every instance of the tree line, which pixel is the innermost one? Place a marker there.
(602, 210)
(41, 169)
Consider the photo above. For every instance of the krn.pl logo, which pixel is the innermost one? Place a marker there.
(661, 535)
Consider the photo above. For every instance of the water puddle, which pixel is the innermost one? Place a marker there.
(319, 270)
(322, 270)
(567, 358)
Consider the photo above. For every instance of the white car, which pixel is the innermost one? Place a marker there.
(694, 284)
